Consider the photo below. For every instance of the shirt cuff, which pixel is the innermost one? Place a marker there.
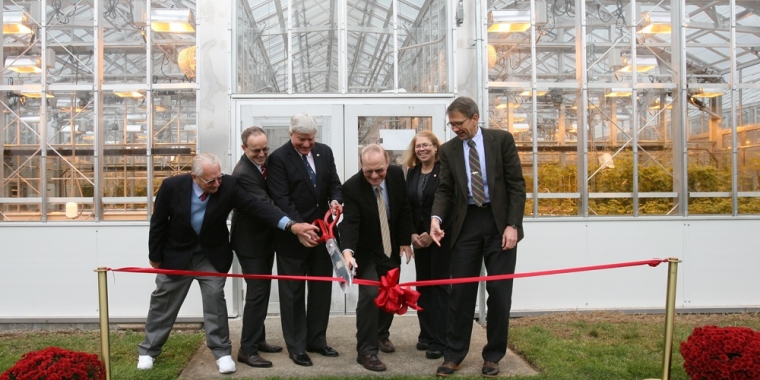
(440, 221)
(283, 222)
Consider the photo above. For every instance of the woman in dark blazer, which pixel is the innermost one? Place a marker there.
(431, 261)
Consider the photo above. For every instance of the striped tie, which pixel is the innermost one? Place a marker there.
(476, 176)
(384, 229)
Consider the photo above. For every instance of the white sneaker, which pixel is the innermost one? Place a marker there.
(226, 364)
(144, 362)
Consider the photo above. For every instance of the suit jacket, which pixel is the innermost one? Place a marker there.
(421, 207)
(506, 185)
(251, 236)
(360, 228)
(172, 238)
(292, 190)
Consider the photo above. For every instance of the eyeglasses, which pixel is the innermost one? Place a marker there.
(375, 171)
(457, 124)
(212, 180)
(257, 151)
(422, 146)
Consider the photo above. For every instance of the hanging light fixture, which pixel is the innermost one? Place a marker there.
(508, 21)
(492, 56)
(130, 94)
(36, 94)
(186, 61)
(530, 92)
(658, 22)
(520, 127)
(618, 92)
(172, 20)
(707, 93)
(644, 63)
(16, 22)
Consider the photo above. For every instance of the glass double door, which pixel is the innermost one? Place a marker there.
(346, 126)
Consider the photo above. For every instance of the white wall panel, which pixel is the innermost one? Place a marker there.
(47, 271)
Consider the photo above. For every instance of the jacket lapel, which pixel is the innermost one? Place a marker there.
(413, 177)
(459, 170)
(490, 150)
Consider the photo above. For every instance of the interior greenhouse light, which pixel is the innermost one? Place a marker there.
(172, 20)
(657, 22)
(656, 103)
(129, 94)
(644, 63)
(530, 93)
(508, 21)
(36, 95)
(519, 116)
(15, 22)
(618, 93)
(707, 93)
(520, 127)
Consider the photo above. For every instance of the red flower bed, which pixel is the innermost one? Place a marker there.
(54, 363)
(722, 353)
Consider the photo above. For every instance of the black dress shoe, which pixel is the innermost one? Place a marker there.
(371, 362)
(324, 351)
(490, 369)
(253, 360)
(433, 354)
(301, 359)
(446, 369)
(385, 345)
(422, 346)
(266, 347)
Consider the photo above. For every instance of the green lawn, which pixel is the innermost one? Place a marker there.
(577, 346)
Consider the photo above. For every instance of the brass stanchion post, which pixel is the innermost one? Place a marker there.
(670, 314)
(105, 341)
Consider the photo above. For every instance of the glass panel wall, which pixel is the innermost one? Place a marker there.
(628, 108)
(99, 107)
(342, 46)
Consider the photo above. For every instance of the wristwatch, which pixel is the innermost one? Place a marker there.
(289, 226)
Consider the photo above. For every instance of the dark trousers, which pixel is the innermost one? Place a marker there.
(256, 302)
(433, 263)
(301, 327)
(479, 241)
(372, 323)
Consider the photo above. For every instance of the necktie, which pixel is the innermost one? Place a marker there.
(204, 196)
(264, 170)
(384, 229)
(312, 175)
(476, 176)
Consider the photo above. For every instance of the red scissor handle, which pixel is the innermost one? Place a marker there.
(325, 227)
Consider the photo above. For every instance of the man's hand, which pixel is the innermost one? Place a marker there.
(436, 233)
(350, 261)
(509, 238)
(407, 250)
(425, 240)
(307, 234)
(155, 264)
(336, 208)
(416, 241)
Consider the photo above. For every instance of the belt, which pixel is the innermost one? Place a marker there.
(484, 205)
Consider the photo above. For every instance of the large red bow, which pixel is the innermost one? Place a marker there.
(394, 299)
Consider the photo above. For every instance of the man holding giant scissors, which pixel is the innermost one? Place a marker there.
(377, 229)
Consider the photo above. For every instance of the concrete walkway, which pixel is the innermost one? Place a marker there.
(341, 335)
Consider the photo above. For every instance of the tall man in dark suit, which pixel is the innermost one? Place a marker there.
(188, 231)
(377, 229)
(481, 174)
(253, 243)
(303, 183)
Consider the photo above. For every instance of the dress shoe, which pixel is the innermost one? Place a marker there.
(490, 369)
(266, 347)
(226, 364)
(144, 362)
(433, 354)
(422, 346)
(301, 359)
(385, 345)
(324, 351)
(253, 360)
(371, 362)
(447, 368)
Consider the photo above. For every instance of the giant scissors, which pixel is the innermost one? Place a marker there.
(328, 237)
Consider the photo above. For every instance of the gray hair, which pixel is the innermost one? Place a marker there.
(373, 148)
(203, 159)
(303, 123)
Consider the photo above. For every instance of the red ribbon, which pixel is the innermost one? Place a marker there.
(394, 299)
(392, 296)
